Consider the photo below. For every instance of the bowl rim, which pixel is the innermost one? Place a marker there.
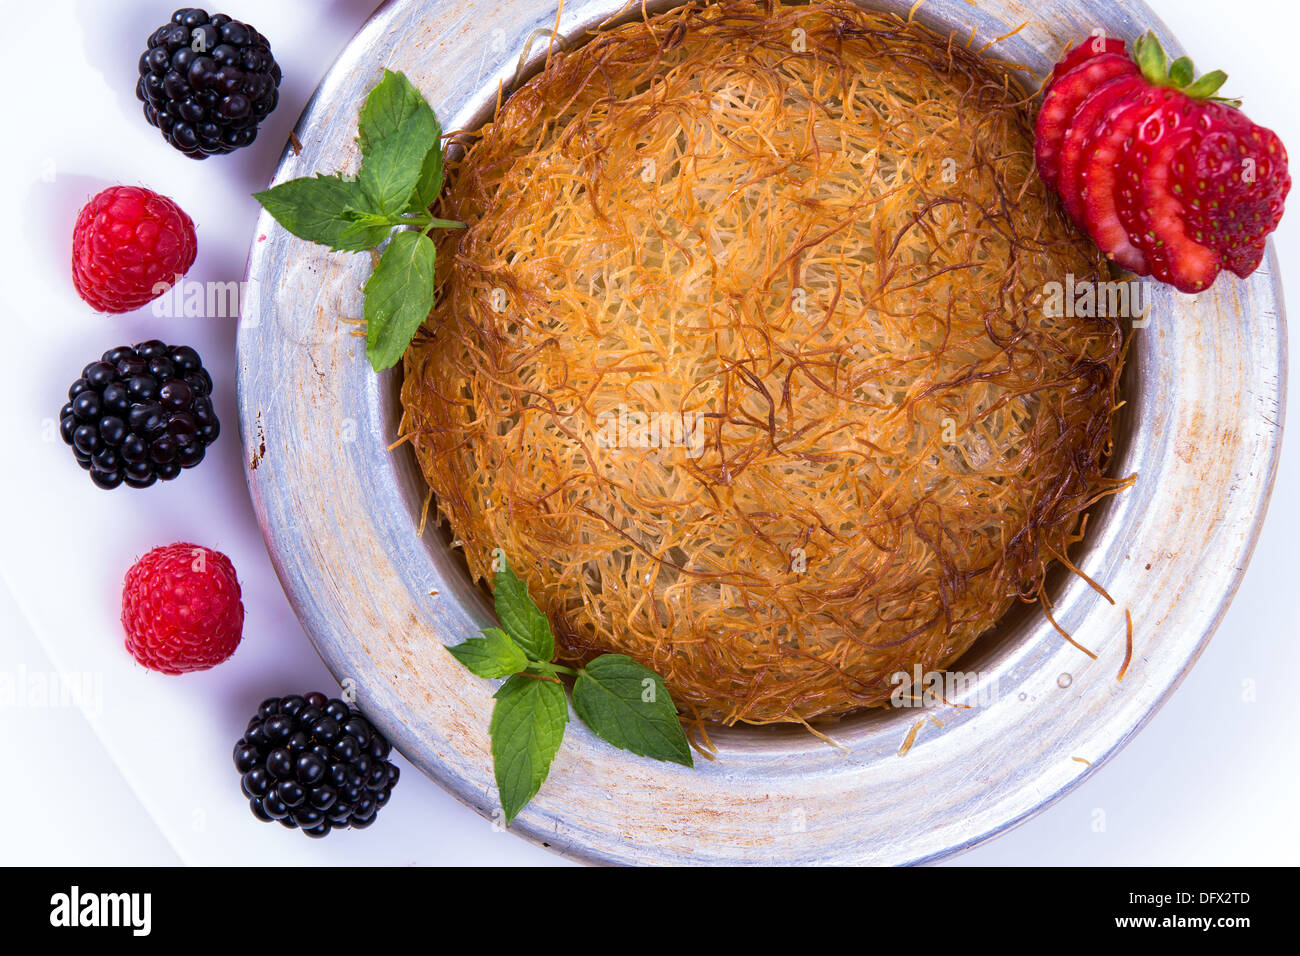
(288, 411)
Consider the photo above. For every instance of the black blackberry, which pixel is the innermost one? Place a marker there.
(207, 82)
(314, 763)
(139, 415)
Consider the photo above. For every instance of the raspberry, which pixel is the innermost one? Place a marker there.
(181, 609)
(128, 247)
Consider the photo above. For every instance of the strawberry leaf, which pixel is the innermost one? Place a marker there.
(1207, 86)
(1151, 59)
(1180, 75)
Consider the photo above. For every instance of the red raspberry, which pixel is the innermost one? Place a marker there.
(126, 242)
(181, 609)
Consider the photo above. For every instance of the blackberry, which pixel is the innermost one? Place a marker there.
(140, 415)
(315, 764)
(207, 82)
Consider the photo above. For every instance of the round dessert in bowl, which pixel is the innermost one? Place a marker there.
(745, 359)
(753, 377)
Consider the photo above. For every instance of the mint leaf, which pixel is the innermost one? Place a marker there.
(429, 186)
(527, 727)
(389, 175)
(365, 218)
(522, 618)
(628, 706)
(399, 296)
(388, 107)
(397, 130)
(364, 225)
(492, 655)
(400, 178)
(313, 208)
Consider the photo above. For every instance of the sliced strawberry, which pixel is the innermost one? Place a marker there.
(1170, 179)
(1149, 133)
(1233, 180)
(1245, 258)
(1089, 48)
(1073, 154)
(1173, 255)
(1100, 178)
(1064, 99)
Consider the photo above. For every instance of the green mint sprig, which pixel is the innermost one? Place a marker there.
(624, 703)
(400, 178)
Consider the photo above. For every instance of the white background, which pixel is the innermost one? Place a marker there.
(144, 775)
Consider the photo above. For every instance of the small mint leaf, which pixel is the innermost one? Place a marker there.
(429, 184)
(366, 218)
(527, 727)
(627, 705)
(388, 107)
(313, 208)
(521, 616)
(361, 226)
(396, 129)
(492, 655)
(399, 296)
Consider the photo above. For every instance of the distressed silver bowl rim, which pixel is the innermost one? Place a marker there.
(339, 511)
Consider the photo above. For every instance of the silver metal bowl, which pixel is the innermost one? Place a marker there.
(1204, 386)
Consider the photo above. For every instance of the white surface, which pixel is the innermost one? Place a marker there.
(143, 775)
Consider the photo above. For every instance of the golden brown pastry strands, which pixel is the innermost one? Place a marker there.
(816, 261)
